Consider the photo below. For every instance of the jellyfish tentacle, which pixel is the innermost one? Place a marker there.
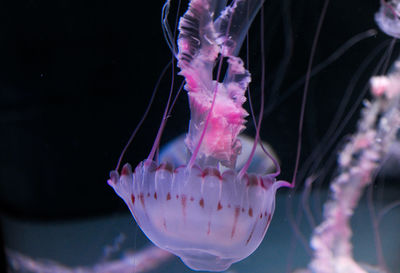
(143, 118)
(169, 38)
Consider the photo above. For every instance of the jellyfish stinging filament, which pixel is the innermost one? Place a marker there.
(208, 217)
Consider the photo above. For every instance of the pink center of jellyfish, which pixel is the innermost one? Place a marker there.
(209, 218)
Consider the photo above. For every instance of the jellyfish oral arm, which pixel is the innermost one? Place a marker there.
(217, 115)
(216, 123)
(358, 162)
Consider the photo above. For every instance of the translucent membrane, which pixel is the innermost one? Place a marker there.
(387, 18)
(210, 220)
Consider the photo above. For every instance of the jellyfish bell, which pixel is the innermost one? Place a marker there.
(206, 211)
(175, 152)
(210, 220)
(388, 17)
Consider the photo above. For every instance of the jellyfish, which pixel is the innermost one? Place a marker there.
(388, 18)
(206, 210)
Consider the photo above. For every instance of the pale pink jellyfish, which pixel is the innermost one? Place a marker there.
(207, 212)
(388, 18)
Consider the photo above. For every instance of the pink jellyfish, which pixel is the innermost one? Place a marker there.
(208, 212)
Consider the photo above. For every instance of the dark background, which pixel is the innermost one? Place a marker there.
(76, 76)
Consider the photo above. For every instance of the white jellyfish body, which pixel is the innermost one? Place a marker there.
(210, 220)
(206, 211)
(175, 152)
(388, 17)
